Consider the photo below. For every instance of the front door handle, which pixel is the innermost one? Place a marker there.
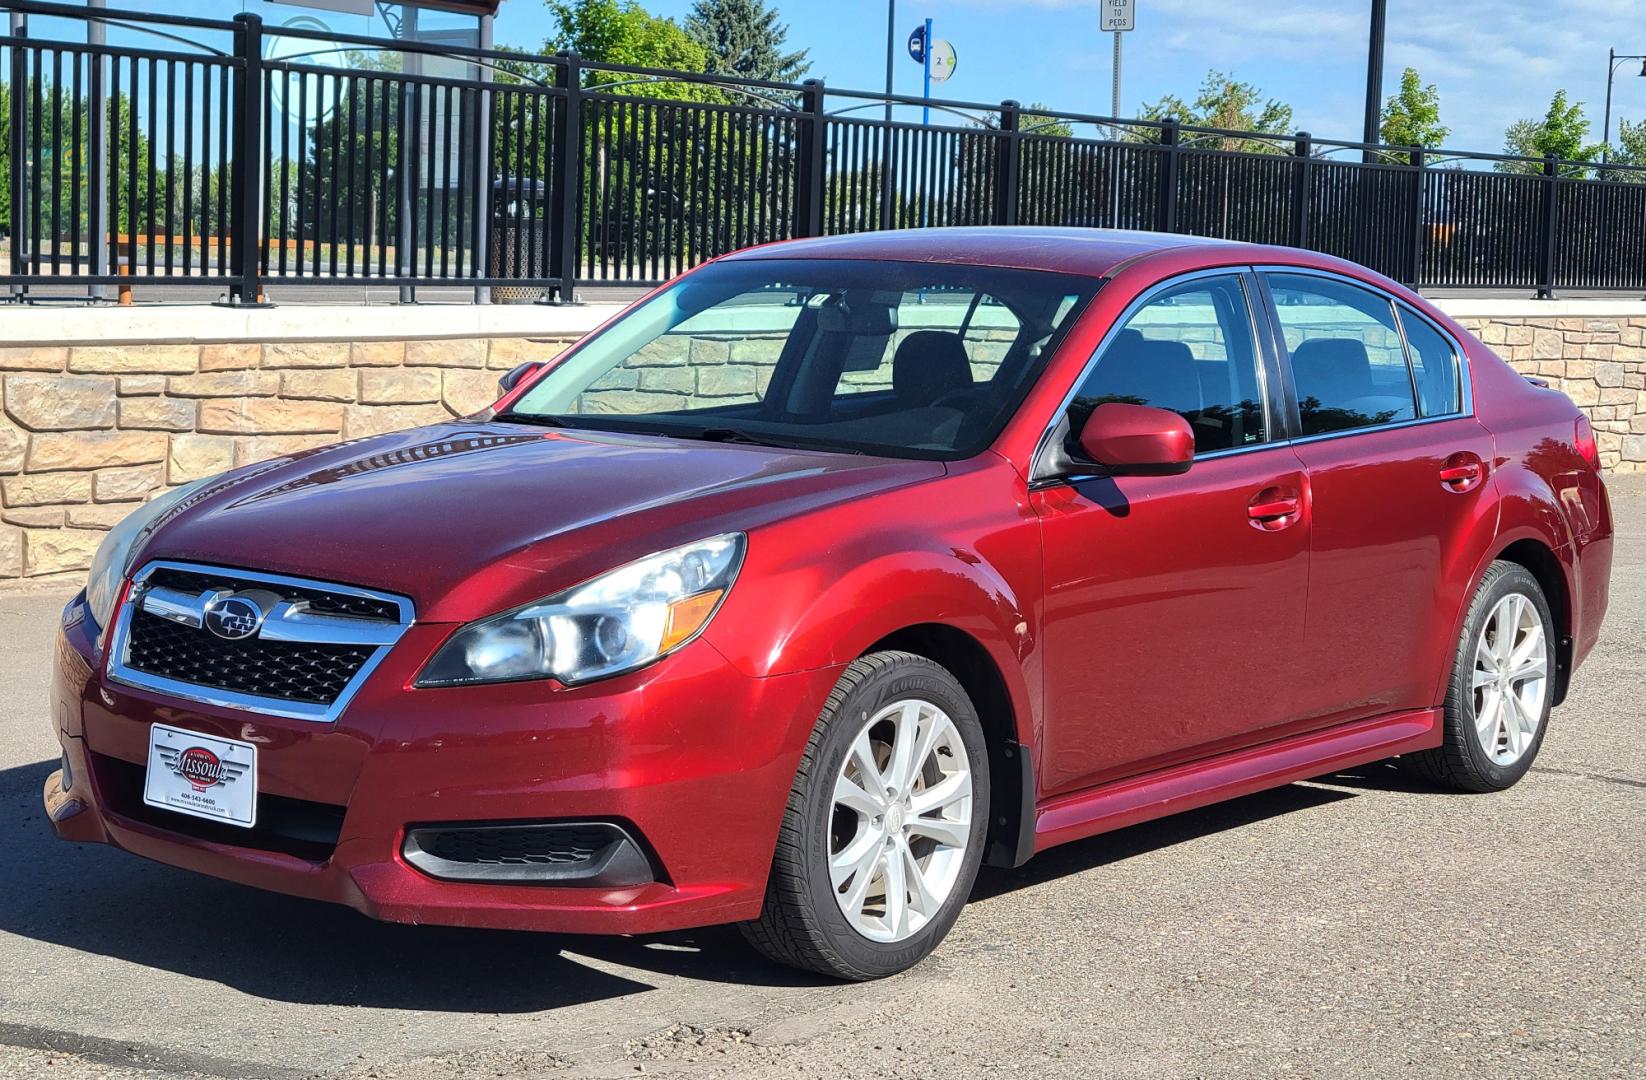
(1275, 508)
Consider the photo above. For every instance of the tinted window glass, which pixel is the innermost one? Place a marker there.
(1346, 357)
(901, 359)
(985, 328)
(1434, 367)
(1189, 350)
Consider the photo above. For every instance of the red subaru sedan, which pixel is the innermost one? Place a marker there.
(833, 570)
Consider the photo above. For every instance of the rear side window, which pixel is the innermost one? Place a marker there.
(1434, 367)
(1190, 350)
(1346, 354)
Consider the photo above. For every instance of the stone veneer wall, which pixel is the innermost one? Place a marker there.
(103, 408)
(1599, 361)
(90, 431)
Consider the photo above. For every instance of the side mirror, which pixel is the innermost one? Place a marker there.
(515, 376)
(1137, 440)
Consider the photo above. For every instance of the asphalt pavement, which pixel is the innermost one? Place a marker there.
(1360, 925)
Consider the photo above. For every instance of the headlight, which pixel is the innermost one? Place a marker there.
(113, 559)
(617, 622)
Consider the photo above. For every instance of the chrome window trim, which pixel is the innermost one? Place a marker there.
(1142, 300)
(1460, 356)
(119, 646)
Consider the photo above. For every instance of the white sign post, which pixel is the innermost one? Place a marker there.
(1119, 17)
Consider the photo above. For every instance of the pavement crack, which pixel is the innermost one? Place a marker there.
(1602, 777)
(130, 1054)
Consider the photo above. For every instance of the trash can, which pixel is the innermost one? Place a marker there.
(519, 238)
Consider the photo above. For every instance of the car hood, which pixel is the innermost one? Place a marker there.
(468, 519)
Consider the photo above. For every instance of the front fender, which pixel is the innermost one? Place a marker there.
(803, 604)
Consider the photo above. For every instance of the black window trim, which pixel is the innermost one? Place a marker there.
(1460, 357)
(1277, 429)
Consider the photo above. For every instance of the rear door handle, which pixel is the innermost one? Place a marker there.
(1463, 471)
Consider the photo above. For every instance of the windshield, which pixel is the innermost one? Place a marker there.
(895, 359)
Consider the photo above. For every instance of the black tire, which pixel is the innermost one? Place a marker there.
(801, 924)
(1461, 761)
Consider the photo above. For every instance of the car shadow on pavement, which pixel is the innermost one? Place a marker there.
(96, 899)
(99, 900)
(1150, 836)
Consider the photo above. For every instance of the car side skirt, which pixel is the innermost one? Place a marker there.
(1200, 783)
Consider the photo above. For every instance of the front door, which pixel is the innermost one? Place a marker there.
(1174, 604)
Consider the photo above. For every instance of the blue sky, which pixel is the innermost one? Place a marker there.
(1494, 62)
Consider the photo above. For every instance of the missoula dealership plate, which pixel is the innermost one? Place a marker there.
(202, 776)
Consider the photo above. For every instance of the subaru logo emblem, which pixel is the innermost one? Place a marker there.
(234, 618)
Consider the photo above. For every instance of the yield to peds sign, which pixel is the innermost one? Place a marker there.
(1119, 15)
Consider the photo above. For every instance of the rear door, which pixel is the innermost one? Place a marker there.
(1397, 468)
(1174, 605)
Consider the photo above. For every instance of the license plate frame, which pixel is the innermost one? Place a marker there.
(202, 776)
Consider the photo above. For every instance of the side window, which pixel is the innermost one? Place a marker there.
(1190, 350)
(1346, 355)
(1434, 367)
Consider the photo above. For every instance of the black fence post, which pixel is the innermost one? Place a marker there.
(19, 144)
(1171, 135)
(1551, 189)
(245, 170)
(1009, 164)
(812, 155)
(566, 174)
(1420, 178)
(1305, 151)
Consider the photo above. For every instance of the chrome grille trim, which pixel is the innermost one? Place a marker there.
(289, 621)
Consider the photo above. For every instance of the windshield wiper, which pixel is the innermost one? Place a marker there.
(535, 419)
(737, 435)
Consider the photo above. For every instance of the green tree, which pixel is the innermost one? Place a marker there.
(1563, 132)
(1412, 116)
(5, 158)
(623, 32)
(1630, 150)
(1038, 119)
(744, 38)
(1225, 103)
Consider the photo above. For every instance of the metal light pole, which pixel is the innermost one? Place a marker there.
(1374, 73)
(891, 51)
(1613, 58)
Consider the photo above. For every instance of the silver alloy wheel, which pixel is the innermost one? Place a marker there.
(1510, 678)
(901, 822)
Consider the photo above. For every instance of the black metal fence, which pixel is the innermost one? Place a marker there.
(189, 152)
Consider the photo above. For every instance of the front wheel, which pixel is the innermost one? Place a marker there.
(1501, 690)
(884, 829)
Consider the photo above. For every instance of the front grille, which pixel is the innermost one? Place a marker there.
(546, 845)
(314, 648)
(321, 601)
(298, 827)
(284, 671)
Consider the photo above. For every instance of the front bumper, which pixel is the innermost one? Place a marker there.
(690, 757)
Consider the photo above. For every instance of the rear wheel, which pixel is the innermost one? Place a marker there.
(1501, 690)
(884, 829)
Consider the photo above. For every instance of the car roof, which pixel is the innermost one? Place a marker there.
(1085, 251)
